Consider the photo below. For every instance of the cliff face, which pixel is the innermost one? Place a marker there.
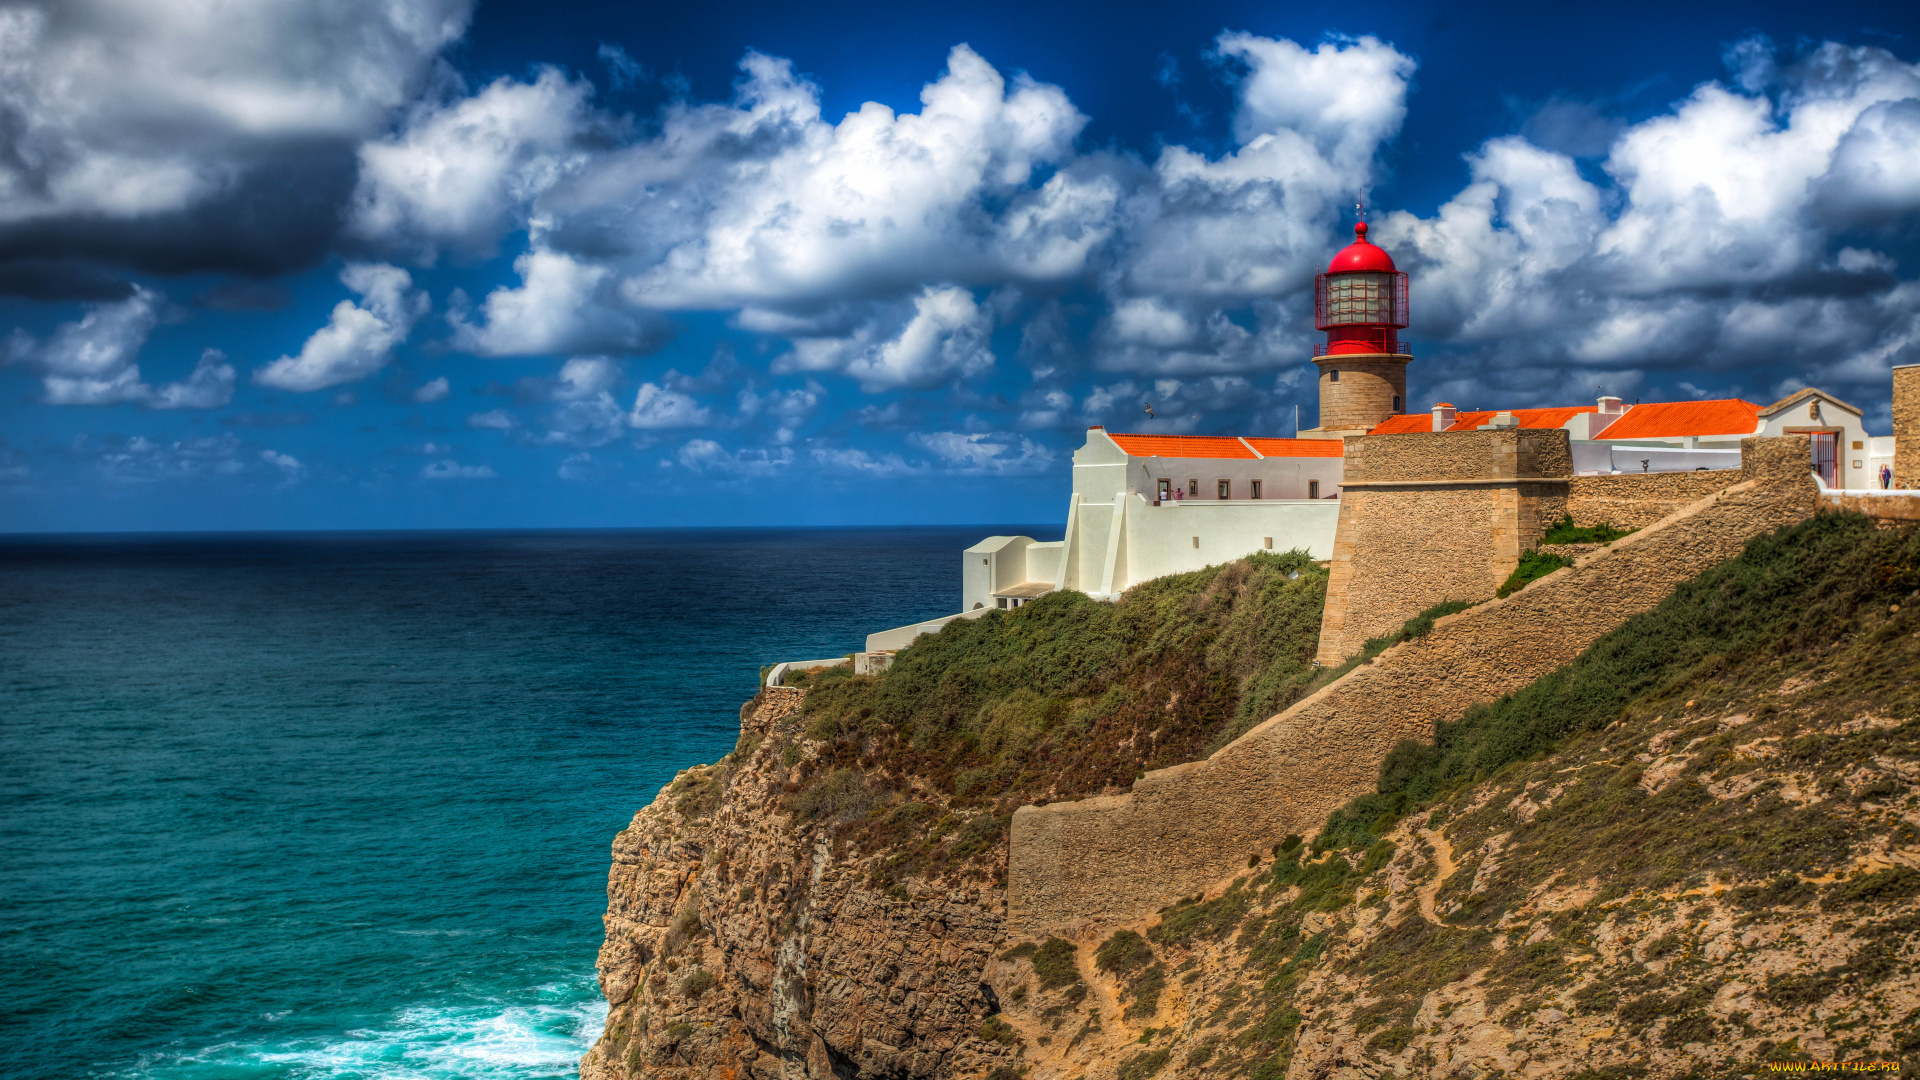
(742, 942)
(1690, 851)
(1703, 889)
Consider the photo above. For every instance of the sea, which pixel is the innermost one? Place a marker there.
(338, 806)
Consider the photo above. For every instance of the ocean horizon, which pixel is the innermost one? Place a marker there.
(338, 804)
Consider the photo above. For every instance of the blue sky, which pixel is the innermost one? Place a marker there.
(432, 264)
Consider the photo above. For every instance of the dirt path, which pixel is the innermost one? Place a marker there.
(1442, 870)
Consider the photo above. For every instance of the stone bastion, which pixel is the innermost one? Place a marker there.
(1182, 829)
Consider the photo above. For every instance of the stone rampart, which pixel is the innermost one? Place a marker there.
(1636, 500)
(1435, 516)
(1182, 829)
(1906, 426)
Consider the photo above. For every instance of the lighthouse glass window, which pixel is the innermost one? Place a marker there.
(1360, 298)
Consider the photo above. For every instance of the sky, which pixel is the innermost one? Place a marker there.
(402, 264)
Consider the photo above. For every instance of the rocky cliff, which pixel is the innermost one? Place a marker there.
(745, 941)
(1692, 851)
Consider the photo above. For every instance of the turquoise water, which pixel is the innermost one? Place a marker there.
(340, 806)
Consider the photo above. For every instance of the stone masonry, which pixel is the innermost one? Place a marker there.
(1368, 387)
(1182, 829)
(1906, 426)
(1435, 516)
(1636, 500)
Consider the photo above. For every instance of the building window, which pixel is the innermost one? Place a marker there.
(1334, 375)
(1256, 489)
(1193, 488)
(1164, 491)
(1396, 403)
(1269, 542)
(1225, 489)
(1313, 489)
(1002, 601)
(1196, 543)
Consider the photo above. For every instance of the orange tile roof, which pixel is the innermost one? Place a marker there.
(1404, 424)
(1297, 447)
(1469, 421)
(1673, 419)
(1182, 446)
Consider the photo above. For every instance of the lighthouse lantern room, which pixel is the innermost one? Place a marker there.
(1361, 303)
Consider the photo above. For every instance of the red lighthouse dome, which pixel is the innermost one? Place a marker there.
(1361, 301)
(1362, 254)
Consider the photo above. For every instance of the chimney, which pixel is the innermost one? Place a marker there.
(1610, 406)
(1442, 416)
(1500, 420)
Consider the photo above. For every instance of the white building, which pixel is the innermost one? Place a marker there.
(1144, 506)
(1681, 436)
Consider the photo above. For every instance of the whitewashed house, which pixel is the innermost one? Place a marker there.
(1148, 505)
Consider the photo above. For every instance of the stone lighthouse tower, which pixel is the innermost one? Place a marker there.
(1361, 302)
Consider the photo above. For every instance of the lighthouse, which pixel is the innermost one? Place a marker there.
(1361, 303)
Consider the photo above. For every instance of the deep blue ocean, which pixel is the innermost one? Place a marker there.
(339, 806)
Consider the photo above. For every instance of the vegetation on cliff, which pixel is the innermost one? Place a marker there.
(1694, 850)
(1069, 696)
(1792, 598)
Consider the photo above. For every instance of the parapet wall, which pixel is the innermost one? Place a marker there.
(1906, 426)
(1435, 516)
(1182, 829)
(1636, 500)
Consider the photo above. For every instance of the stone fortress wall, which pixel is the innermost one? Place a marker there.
(1181, 829)
(1434, 516)
(1637, 500)
(1906, 426)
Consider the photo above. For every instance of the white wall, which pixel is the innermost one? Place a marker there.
(901, 636)
(1626, 458)
(1160, 539)
(1001, 562)
(1280, 478)
(1879, 452)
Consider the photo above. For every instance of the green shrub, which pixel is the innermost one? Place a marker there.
(1144, 1066)
(996, 1030)
(836, 795)
(697, 982)
(1146, 992)
(1189, 919)
(1565, 531)
(1533, 566)
(1393, 1040)
(1123, 953)
(1894, 883)
(1054, 963)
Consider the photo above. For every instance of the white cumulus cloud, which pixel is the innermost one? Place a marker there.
(984, 454)
(943, 337)
(563, 304)
(655, 408)
(463, 173)
(94, 361)
(432, 390)
(359, 339)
